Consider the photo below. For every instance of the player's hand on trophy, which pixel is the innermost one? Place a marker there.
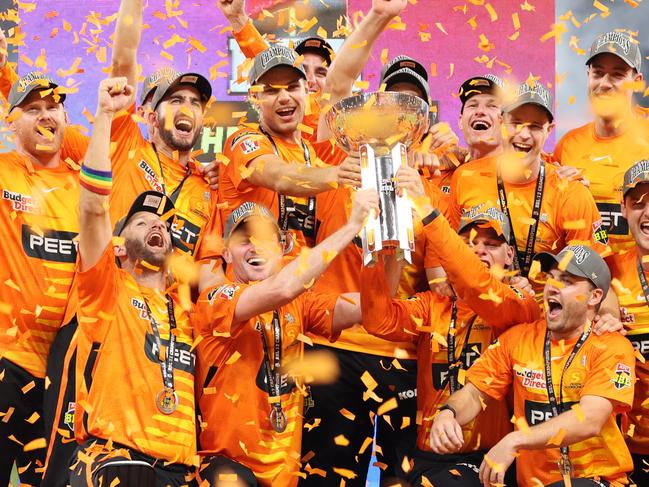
(349, 171)
(388, 8)
(114, 95)
(365, 201)
(409, 184)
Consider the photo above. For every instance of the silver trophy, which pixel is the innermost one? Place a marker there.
(381, 127)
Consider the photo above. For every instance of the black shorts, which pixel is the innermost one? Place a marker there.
(640, 474)
(132, 468)
(21, 396)
(583, 483)
(395, 440)
(218, 467)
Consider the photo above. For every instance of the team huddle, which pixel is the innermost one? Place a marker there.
(166, 322)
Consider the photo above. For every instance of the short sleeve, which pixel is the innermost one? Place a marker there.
(492, 372)
(214, 311)
(98, 287)
(210, 245)
(318, 309)
(241, 149)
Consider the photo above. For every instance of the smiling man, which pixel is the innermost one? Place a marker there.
(545, 212)
(569, 385)
(617, 137)
(272, 164)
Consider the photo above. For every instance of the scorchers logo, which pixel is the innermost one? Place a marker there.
(530, 378)
(151, 176)
(21, 202)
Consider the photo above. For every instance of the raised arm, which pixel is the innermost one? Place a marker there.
(95, 231)
(354, 53)
(8, 75)
(294, 278)
(245, 33)
(128, 32)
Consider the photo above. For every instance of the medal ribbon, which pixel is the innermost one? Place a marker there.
(273, 372)
(524, 262)
(166, 365)
(557, 407)
(454, 365)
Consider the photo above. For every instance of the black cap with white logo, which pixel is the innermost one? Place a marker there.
(30, 82)
(316, 45)
(481, 85)
(151, 202)
(407, 75)
(581, 261)
(619, 44)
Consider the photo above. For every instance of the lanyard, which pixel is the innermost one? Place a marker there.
(166, 365)
(455, 365)
(173, 196)
(273, 374)
(557, 407)
(524, 262)
(643, 280)
(283, 214)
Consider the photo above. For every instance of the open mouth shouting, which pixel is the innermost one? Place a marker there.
(480, 125)
(256, 261)
(184, 126)
(155, 239)
(554, 308)
(521, 147)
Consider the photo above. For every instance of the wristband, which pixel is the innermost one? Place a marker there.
(428, 219)
(450, 408)
(95, 181)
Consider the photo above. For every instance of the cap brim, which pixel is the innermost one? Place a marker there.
(518, 104)
(200, 83)
(35, 87)
(324, 49)
(138, 206)
(547, 260)
(295, 68)
(406, 77)
(496, 227)
(626, 61)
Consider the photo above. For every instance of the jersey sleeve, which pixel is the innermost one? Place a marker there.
(318, 309)
(612, 373)
(98, 289)
(210, 245)
(250, 40)
(75, 144)
(496, 302)
(492, 372)
(441, 202)
(558, 151)
(581, 220)
(8, 77)
(214, 311)
(392, 319)
(241, 149)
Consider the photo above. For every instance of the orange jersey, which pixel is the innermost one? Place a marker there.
(568, 212)
(635, 316)
(604, 366)
(234, 189)
(118, 369)
(40, 214)
(485, 307)
(232, 380)
(604, 162)
(252, 43)
(137, 167)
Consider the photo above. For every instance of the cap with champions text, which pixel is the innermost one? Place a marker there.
(619, 44)
(491, 217)
(276, 55)
(583, 262)
(535, 95)
(151, 82)
(636, 174)
(245, 211)
(165, 85)
(34, 80)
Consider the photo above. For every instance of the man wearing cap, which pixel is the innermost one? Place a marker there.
(251, 327)
(40, 213)
(569, 384)
(315, 54)
(629, 272)
(545, 211)
(451, 332)
(618, 136)
(164, 163)
(135, 427)
(272, 164)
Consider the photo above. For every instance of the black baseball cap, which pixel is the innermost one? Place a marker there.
(582, 261)
(276, 55)
(152, 202)
(407, 75)
(194, 79)
(32, 81)
(487, 84)
(151, 82)
(401, 62)
(316, 45)
(619, 44)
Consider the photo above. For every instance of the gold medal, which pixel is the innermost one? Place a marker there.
(167, 401)
(278, 419)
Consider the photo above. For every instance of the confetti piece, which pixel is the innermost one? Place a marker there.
(36, 444)
(233, 358)
(340, 440)
(387, 406)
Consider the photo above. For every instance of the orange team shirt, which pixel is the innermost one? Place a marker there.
(568, 212)
(252, 43)
(604, 162)
(486, 306)
(604, 367)
(117, 368)
(137, 168)
(635, 316)
(75, 142)
(241, 148)
(228, 356)
(40, 214)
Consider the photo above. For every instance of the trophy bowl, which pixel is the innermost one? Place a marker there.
(380, 119)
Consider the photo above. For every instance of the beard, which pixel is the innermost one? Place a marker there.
(168, 138)
(137, 251)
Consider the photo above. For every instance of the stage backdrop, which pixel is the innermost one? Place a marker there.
(454, 39)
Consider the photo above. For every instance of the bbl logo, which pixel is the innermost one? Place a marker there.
(68, 418)
(622, 376)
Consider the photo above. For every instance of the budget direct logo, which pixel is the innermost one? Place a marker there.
(50, 245)
(151, 176)
(531, 378)
(21, 202)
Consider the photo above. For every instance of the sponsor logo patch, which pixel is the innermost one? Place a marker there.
(599, 232)
(225, 292)
(50, 245)
(531, 378)
(248, 146)
(622, 376)
(151, 176)
(68, 417)
(21, 202)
